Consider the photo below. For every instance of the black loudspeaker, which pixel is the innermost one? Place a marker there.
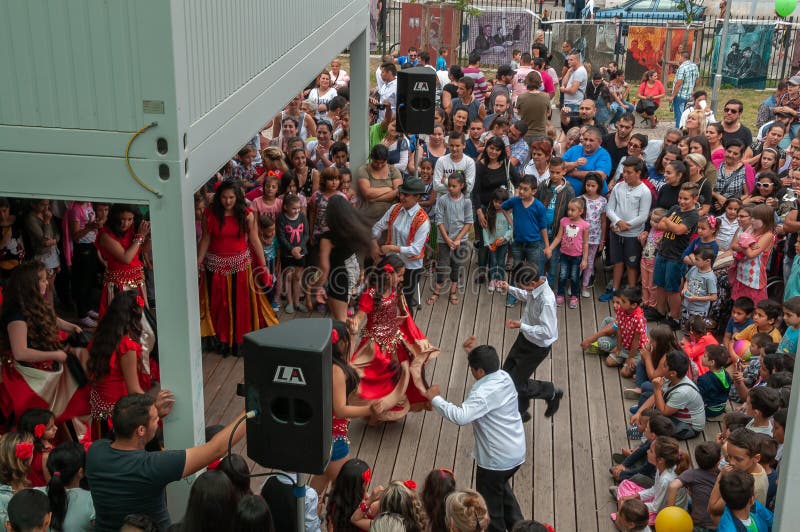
(287, 378)
(416, 100)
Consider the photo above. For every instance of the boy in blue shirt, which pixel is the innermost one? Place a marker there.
(530, 231)
(741, 318)
(742, 511)
(791, 316)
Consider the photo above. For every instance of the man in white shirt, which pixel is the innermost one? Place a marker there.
(539, 330)
(455, 160)
(407, 226)
(573, 85)
(387, 91)
(491, 406)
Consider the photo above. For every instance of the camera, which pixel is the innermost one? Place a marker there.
(380, 106)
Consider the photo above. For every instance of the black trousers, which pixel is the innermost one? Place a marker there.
(521, 362)
(410, 282)
(84, 278)
(495, 488)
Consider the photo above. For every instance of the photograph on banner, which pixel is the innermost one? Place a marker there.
(646, 46)
(745, 58)
(430, 27)
(495, 34)
(595, 42)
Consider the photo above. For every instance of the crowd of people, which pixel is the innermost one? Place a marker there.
(698, 227)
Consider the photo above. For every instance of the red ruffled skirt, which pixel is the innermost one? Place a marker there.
(232, 304)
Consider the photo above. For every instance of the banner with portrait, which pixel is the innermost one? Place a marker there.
(595, 42)
(745, 55)
(647, 46)
(495, 34)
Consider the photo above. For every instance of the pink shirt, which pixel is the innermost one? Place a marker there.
(518, 84)
(547, 82)
(572, 236)
(261, 207)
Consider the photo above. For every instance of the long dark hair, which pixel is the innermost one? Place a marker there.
(497, 142)
(340, 356)
(236, 468)
(253, 515)
(212, 502)
(28, 421)
(115, 225)
(491, 214)
(663, 341)
(346, 224)
(123, 317)
(438, 485)
(668, 148)
(22, 296)
(703, 142)
(239, 208)
(347, 493)
(64, 464)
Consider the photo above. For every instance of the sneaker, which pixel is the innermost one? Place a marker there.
(618, 458)
(490, 288)
(276, 306)
(93, 314)
(634, 434)
(606, 296)
(573, 301)
(302, 308)
(480, 279)
(585, 292)
(88, 322)
(631, 393)
(634, 409)
(593, 349)
(553, 403)
(511, 301)
(289, 309)
(613, 491)
(651, 314)
(560, 301)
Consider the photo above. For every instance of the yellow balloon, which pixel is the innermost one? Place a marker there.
(674, 519)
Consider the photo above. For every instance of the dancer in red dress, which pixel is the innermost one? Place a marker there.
(120, 242)
(393, 351)
(34, 372)
(231, 302)
(115, 364)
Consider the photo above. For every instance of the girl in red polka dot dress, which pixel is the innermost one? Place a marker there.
(631, 332)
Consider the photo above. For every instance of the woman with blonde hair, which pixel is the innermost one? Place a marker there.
(695, 123)
(16, 452)
(466, 512)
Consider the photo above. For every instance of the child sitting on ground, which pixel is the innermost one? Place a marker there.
(747, 372)
(605, 339)
(743, 455)
(765, 315)
(741, 318)
(741, 510)
(791, 317)
(699, 483)
(635, 466)
(762, 402)
(715, 383)
(694, 345)
(633, 516)
(631, 332)
(769, 450)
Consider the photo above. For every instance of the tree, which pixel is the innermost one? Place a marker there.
(689, 8)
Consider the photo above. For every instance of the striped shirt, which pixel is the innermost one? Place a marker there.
(688, 72)
(454, 214)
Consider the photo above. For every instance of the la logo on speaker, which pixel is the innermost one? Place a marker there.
(289, 375)
(421, 86)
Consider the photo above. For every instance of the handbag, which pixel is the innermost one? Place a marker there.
(646, 106)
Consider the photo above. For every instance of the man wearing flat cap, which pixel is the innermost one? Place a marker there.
(407, 228)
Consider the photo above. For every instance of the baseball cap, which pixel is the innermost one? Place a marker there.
(794, 80)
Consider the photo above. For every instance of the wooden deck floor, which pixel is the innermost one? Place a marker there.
(564, 480)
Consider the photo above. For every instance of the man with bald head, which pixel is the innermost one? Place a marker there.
(587, 110)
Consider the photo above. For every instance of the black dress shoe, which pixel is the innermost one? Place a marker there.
(526, 416)
(554, 403)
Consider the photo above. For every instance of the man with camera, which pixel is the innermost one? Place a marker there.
(387, 90)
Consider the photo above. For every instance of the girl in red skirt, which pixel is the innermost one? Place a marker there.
(232, 303)
(393, 351)
(116, 366)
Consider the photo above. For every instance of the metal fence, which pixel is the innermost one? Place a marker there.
(783, 61)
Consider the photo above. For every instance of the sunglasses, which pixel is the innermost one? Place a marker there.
(764, 185)
(732, 111)
(632, 145)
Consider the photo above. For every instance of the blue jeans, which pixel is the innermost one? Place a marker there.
(530, 252)
(570, 270)
(497, 263)
(678, 104)
(620, 110)
(641, 374)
